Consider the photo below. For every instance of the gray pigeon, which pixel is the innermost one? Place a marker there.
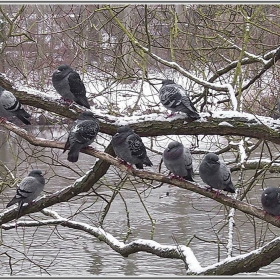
(128, 146)
(270, 200)
(175, 98)
(82, 133)
(69, 85)
(10, 106)
(178, 160)
(28, 189)
(215, 173)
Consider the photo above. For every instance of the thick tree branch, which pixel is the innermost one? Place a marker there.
(101, 167)
(216, 123)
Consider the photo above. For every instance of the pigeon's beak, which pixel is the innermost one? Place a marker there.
(57, 71)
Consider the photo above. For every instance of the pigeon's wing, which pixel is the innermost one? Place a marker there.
(187, 159)
(76, 84)
(25, 189)
(86, 131)
(171, 95)
(136, 146)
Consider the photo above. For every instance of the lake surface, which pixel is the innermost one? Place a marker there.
(183, 217)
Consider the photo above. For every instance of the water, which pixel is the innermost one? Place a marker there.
(182, 217)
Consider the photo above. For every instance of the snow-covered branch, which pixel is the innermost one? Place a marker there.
(230, 266)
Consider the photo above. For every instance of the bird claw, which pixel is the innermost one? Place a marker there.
(65, 101)
(3, 120)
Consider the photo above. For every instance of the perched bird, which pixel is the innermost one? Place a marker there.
(270, 200)
(82, 133)
(215, 173)
(69, 85)
(175, 98)
(129, 147)
(10, 106)
(178, 160)
(28, 189)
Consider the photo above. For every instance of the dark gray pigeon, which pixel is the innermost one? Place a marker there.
(69, 85)
(10, 106)
(178, 160)
(129, 147)
(270, 200)
(82, 133)
(215, 173)
(28, 189)
(175, 98)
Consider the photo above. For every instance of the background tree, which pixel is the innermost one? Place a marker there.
(224, 55)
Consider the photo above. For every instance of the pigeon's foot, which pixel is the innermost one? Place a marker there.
(170, 115)
(90, 148)
(216, 193)
(3, 120)
(65, 101)
(121, 161)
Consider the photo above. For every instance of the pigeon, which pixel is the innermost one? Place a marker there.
(129, 147)
(10, 106)
(175, 98)
(69, 85)
(215, 173)
(82, 133)
(270, 200)
(178, 160)
(28, 189)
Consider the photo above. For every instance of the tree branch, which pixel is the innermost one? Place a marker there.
(249, 262)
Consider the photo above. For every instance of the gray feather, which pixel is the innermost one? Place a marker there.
(82, 133)
(270, 200)
(215, 173)
(129, 147)
(10, 106)
(69, 85)
(28, 189)
(175, 98)
(178, 160)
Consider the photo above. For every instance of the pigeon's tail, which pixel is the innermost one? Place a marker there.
(23, 116)
(189, 177)
(230, 189)
(19, 208)
(73, 155)
(139, 165)
(147, 161)
(12, 202)
(194, 115)
(82, 100)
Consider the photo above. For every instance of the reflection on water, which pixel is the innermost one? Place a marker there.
(182, 217)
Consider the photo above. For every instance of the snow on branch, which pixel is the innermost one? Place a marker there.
(243, 263)
(100, 168)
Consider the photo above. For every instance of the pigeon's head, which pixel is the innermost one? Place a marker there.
(62, 68)
(212, 158)
(124, 129)
(173, 145)
(167, 82)
(87, 115)
(271, 195)
(35, 172)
